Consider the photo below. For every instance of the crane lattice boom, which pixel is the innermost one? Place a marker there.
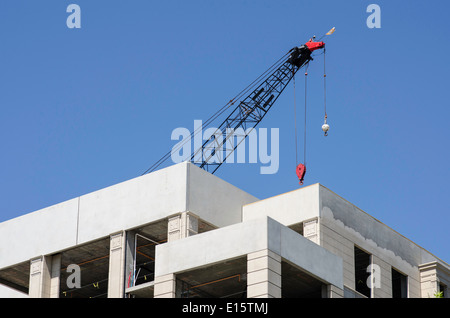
(252, 109)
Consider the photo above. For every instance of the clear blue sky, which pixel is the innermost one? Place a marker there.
(83, 109)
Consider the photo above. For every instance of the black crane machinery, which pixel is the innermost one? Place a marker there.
(250, 107)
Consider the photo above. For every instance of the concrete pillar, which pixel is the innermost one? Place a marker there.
(331, 291)
(311, 230)
(165, 286)
(44, 277)
(182, 225)
(116, 277)
(55, 274)
(429, 282)
(263, 275)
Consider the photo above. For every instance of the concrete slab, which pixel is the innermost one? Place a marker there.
(287, 208)
(247, 237)
(141, 291)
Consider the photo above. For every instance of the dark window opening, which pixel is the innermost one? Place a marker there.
(399, 285)
(362, 262)
(443, 290)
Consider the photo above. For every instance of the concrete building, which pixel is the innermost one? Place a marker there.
(182, 232)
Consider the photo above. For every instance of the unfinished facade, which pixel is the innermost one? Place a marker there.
(182, 232)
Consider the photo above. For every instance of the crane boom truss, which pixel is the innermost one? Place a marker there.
(250, 111)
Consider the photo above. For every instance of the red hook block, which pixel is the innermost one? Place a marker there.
(300, 170)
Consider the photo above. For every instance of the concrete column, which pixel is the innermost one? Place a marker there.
(263, 275)
(44, 277)
(116, 277)
(182, 225)
(331, 291)
(55, 274)
(165, 286)
(429, 282)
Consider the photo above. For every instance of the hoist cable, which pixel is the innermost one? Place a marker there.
(305, 119)
(324, 85)
(304, 137)
(295, 122)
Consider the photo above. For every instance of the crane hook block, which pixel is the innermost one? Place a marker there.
(300, 170)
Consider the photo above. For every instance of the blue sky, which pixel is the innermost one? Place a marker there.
(83, 109)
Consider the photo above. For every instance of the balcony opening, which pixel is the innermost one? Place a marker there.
(399, 285)
(227, 279)
(362, 262)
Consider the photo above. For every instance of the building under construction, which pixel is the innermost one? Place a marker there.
(181, 232)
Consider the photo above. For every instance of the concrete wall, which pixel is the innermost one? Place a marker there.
(338, 226)
(38, 233)
(317, 201)
(287, 208)
(343, 225)
(371, 230)
(133, 203)
(94, 215)
(246, 225)
(213, 199)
